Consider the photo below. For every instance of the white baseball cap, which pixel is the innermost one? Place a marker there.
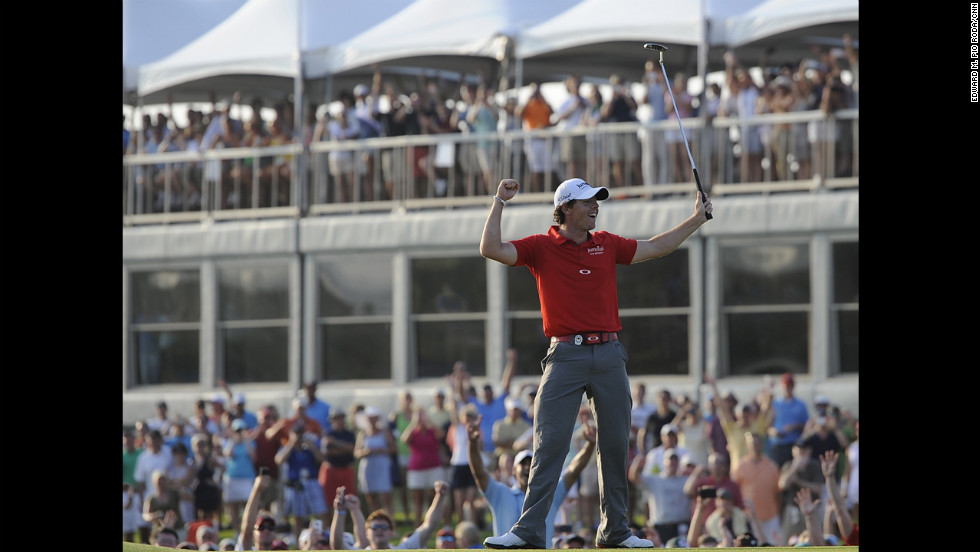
(576, 188)
(522, 455)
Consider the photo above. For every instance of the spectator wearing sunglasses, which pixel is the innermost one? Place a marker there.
(262, 534)
(445, 538)
(380, 526)
(258, 527)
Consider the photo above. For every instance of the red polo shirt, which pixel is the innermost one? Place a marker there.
(576, 283)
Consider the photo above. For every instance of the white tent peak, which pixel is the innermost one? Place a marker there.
(772, 17)
(265, 39)
(154, 29)
(444, 28)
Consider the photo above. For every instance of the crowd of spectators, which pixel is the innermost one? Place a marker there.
(703, 474)
(783, 151)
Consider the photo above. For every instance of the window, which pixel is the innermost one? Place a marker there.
(449, 304)
(253, 322)
(765, 307)
(654, 307)
(354, 317)
(165, 329)
(355, 351)
(526, 325)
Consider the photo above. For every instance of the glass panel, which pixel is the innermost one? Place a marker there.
(766, 274)
(527, 337)
(522, 291)
(441, 344)
(253, 292)
(167, 357)
(846, 272)
(355, 351)
(255, 354)
(768, 343)
(355, 285)
(457, 284)
(657, 345)
(663, 282)
(166, 296)
(849, 327)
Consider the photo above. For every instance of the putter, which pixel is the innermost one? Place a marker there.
(661, 48)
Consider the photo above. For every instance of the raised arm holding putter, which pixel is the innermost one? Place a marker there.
(575, 270)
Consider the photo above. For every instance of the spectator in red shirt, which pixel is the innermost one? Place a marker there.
(267, 443)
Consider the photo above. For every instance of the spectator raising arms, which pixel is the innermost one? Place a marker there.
(846, 526)
(802, 472)
(670, 508)
(506, 501)
(239, 474)
(716, 474)
(379, 527)
(258, 528)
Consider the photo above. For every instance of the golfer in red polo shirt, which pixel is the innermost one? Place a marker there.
(575, 268)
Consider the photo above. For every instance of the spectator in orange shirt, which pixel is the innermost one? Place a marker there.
(757, 476)
(536, 114)
(283, 426)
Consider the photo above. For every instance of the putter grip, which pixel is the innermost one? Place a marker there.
(704, 197)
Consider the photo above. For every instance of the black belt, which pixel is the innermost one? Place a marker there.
(593, 338)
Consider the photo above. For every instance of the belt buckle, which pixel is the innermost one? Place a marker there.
(578, 339)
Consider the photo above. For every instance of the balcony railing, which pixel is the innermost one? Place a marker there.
(803, 151)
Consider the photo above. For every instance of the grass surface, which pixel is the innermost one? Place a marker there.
(132, 547)
(404, 526)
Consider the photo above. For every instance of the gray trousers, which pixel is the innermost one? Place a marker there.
(569, 370)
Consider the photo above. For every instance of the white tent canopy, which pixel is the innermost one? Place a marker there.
(779, 16)
(447, 35)
(259, 39)
(790, 28)
(260, 50)
(598, 21)
(600, 37)
(272, 48)
(154, 29)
